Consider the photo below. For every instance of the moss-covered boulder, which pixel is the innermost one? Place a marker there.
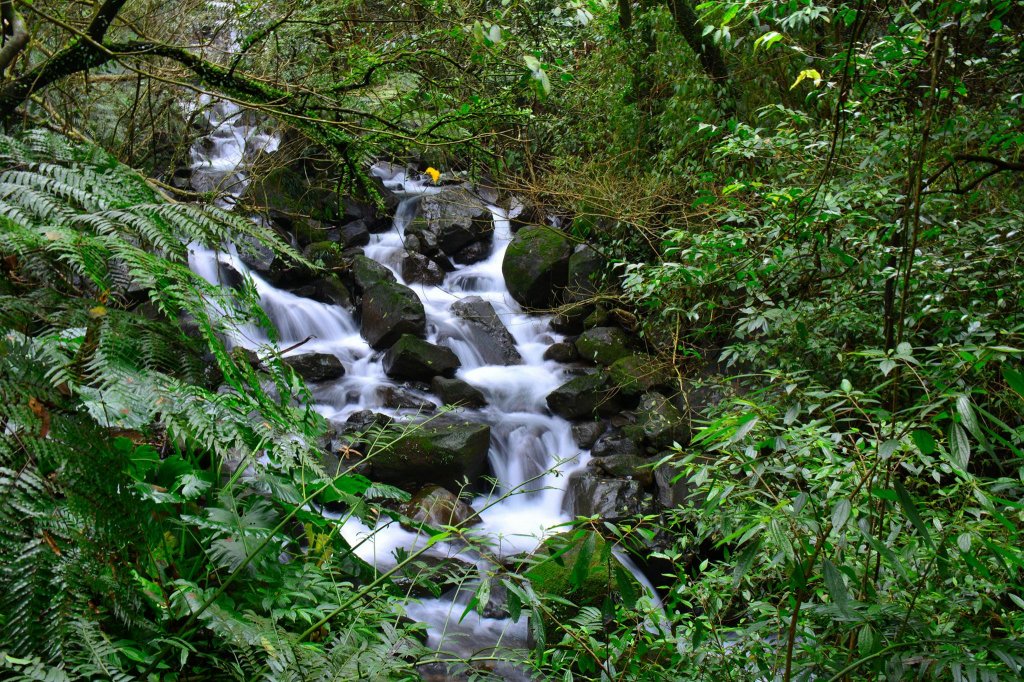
(579, 567)
(444, 451)
(536, 266)
(584, 396)
(603, 345)
(389, 310)
(637, 374)
(414, 359)
(315, 366)
(586, 271)
(327, 253)
(368, 273)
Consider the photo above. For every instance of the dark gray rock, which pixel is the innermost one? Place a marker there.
(389, 310)
(536, 266)
(589, 494)
(458, 217)
(355, 233)
(671, 488)
(368, 273)
(584, 396)
(571, 322)
(315, 366)
(457, 392)
(659, 423)
(587, 433)
(615, 443)
(328, 289)
(561, 352)
(418, 360)
(624, 466)
(473, 253)
(429, 575)
(399, 398)
(490, 337)
(603, 345)
(417, 268)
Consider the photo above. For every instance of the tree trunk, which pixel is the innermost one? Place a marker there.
(707, 52)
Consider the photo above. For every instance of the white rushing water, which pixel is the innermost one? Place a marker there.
(531, 453)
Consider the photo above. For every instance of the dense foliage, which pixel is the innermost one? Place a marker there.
(813, 212)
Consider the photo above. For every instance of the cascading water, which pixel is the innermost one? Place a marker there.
(531, 451)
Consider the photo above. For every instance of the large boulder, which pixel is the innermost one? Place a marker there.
(561, 352)
(553, 572)
(435, 506)
(355, 233)
(659, 423)
(457, 392)
(490, 337)
(399, 398)
(585, 434)
(584, 396)
(443, 450)
(328, 289)
(368, 273)
(615, 444)
(315, 366)
(623, 466)
(536, 266)
(417, 268)
(603, 345)
(390, 310)
(586, 267)
(414, 359)
(590, 494)
(458, 217)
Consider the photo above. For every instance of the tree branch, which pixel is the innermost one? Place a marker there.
(15, 34)
(998, 166)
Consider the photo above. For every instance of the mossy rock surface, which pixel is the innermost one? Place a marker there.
(390, 310)
(603, 345)
(325, 252)
(415, 359)
(583, 397)
(637, 374)
(536, 266)
(555, 571)
(443, 451)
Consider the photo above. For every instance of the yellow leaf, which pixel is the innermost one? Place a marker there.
(98, 311)
(434, 174)
(807, 73)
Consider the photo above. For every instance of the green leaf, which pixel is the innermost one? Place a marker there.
(584, 558)
(836, 587)
(924, 441)
(840, 514)
(911, 511)
(959, 446)
(1013, 378)
(967, 416)
(627, 586)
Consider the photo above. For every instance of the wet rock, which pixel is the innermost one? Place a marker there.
(399, 398)
(623, 466)
(257, 255)
(362, 421)
(315, 366)
(473, 253)
(589, 494)
(327, 253)
(536, 266)
(418, 360)
(421, 240)
(445, 451)
(490, 337)
(429, 575)
(389, 310)
(368, 273)
(436, 506)
(586, 268)
(328, 289)
(587, 433)
(599, 317)
(570, 323)
(457, 392)
(584, 396)
(417, 268)
(602, 345)
(636, 374)
(671, 488)
(561, 352)
(355, 233)
(614, 444)
(659, 423)
(458, 217)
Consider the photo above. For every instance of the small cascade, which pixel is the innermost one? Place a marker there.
(531, 452)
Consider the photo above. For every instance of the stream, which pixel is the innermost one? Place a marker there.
(531, 451)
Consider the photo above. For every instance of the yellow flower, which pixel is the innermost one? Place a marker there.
(434, 174)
